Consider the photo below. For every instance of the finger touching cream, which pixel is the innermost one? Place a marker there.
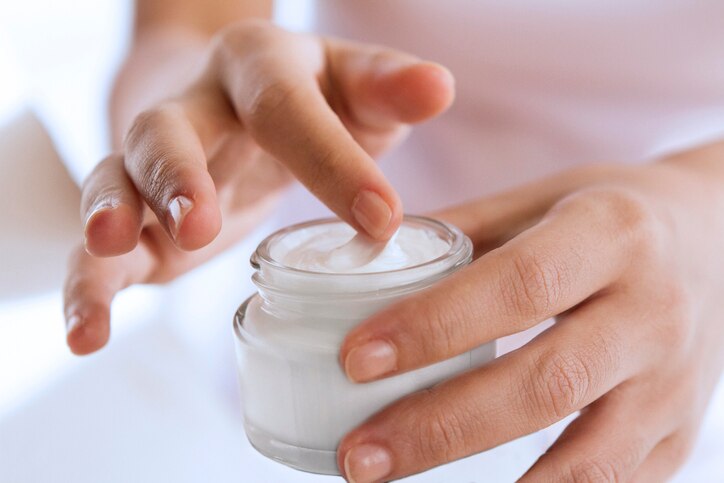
(316, 281)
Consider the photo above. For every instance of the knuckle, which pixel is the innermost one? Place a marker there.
(154, 169)
(674, 326)
(157, 176)
(441, 436)
(424, 332)
(76, 282)
(629, 215)
(533, 286)
(441, 344)
(147, 126)
(268, 103)
(561, 383)
(680, 447)
(596, 471)
(146, 122)
(246, 34)
(75, 263)
(678, 302)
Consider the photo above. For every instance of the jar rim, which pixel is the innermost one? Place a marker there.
(262, 255)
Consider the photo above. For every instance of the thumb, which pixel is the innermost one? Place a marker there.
(493, 220)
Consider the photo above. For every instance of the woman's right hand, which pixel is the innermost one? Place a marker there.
(270, 106)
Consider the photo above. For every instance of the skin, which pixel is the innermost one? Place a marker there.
(624, 258)
(267, 106)
(214, 113)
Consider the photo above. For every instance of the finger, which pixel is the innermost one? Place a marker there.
(380, 88)
(559, 372)
(666, 458)
(579, 249)
(111, 209)
(607, 442)
(272, 78)
(378, 92)
(166, 161)
(89, 288)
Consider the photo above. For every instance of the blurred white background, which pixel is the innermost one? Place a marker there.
(159, 404)
(57, 60)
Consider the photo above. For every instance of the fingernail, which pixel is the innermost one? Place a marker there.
(370, 360)
(105, 205)
(72, 323)
(367, 463)
(97, 211)
(178, 208)
(372, 213)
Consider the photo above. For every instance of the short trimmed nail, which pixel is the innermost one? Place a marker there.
(367, 463)
(99, 207)
(95, 212)
(178, 208)
(72, 323)
(370, 360)
(372, 213)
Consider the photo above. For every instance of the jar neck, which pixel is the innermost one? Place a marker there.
(291, 292)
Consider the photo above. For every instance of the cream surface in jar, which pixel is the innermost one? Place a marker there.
(316, 281)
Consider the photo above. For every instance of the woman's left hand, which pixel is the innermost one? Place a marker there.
(628, 260)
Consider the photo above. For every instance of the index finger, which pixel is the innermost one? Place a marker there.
(276, 92)
(575, 252)
(559, 372)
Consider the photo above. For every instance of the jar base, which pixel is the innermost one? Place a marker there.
(305, 459)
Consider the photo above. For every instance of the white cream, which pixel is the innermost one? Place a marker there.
(317, 281)
(336, 248)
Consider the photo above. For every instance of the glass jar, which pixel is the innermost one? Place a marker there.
(297, 402)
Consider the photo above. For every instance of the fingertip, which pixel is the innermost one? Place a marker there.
(88, 333)
(377, 215)
(396, 218)
(419, 91)
(346, 444)
(193, 223)
(112, 231)
(356, 462)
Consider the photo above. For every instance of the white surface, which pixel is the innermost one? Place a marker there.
(65, 54)
(144, 411)
(57, 59)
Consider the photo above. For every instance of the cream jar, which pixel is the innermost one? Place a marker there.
(315, 282)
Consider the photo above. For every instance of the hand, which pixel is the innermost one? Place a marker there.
(270, 106)
(628, 261)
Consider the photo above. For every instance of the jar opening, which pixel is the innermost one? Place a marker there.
(330, 234)
(274, 278)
